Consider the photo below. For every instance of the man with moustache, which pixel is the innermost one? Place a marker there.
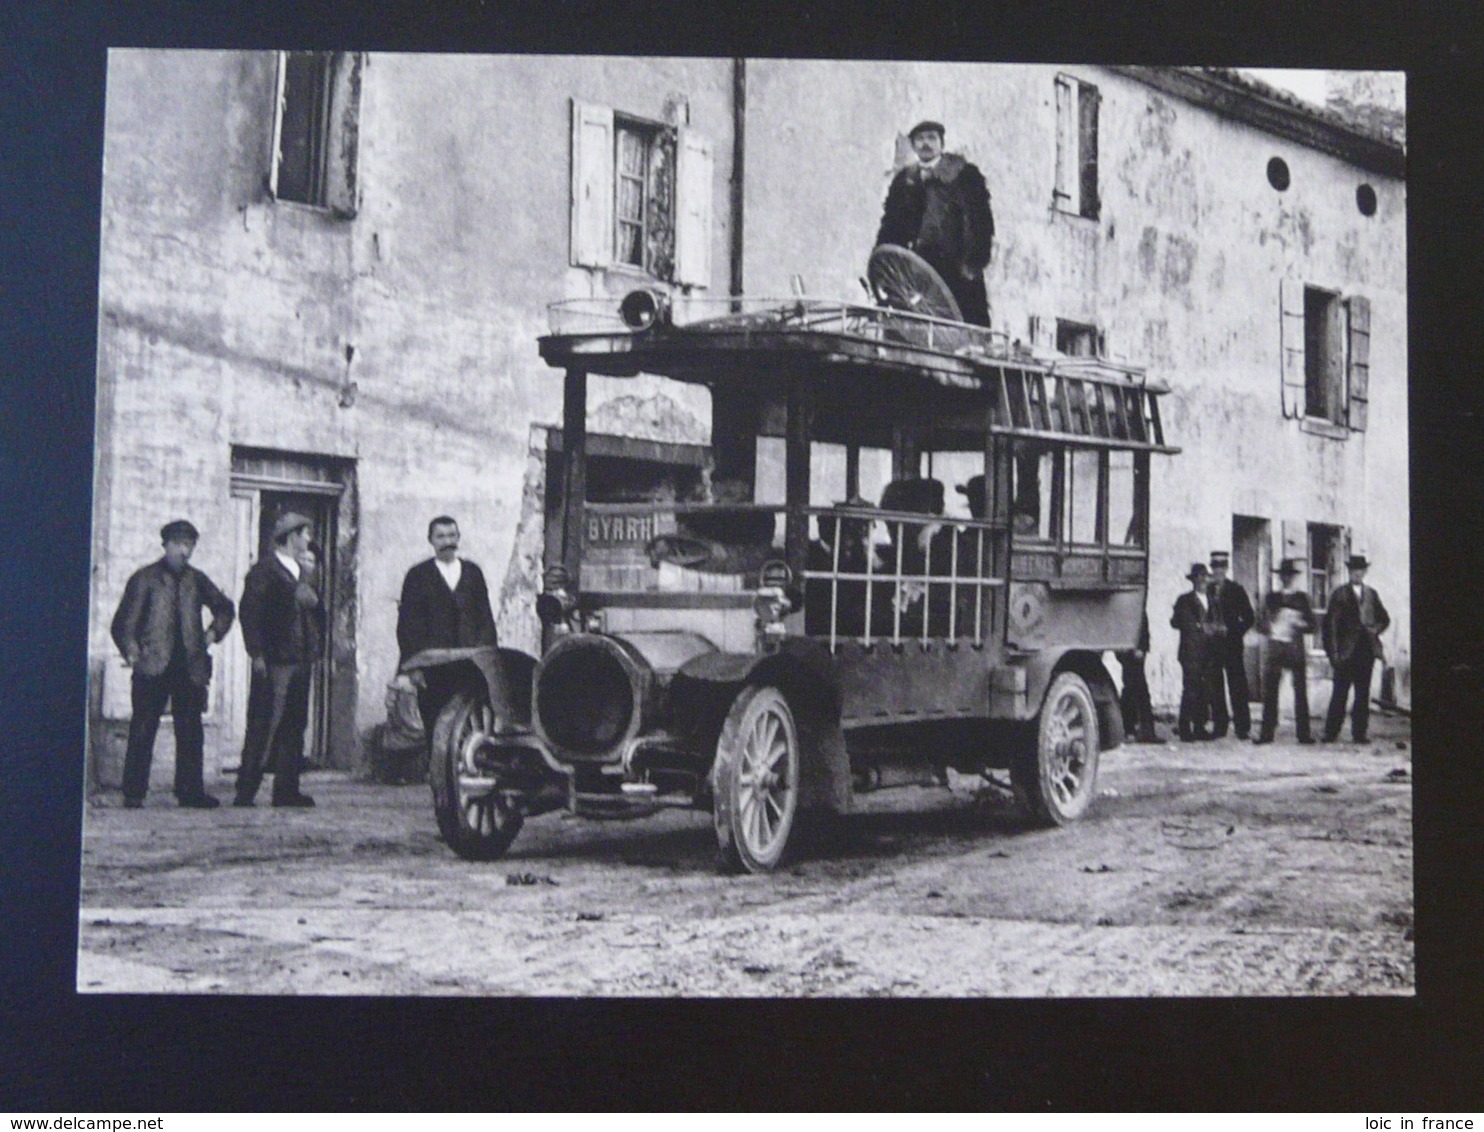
(1353, 625)
(445, 605)
(1231, 609)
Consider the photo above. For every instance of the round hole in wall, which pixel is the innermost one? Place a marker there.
(1278, 173)
(1365, 200)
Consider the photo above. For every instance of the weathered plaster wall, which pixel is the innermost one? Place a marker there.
(226, 317)
(1181, 270)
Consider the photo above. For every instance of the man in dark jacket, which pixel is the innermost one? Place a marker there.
(1353, 625)
(1138, 712)
(1286, 617)
(283, 626)
(939, 208)
(1192, 621)
(158, 629)
(445, 605)
(1231, 610)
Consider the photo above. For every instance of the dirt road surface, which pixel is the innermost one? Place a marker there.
(1209, 869)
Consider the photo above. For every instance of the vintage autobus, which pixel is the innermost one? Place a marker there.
(804, 617)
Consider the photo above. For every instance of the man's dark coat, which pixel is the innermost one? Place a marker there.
(431, 616)
(1190, 620)
(1353, 628)
(1233, 608)
(943, 215)
(276, 624)
(156, 600)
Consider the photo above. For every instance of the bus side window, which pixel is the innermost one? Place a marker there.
(1123, 528)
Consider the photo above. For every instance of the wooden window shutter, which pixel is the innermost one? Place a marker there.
(1291, 345)
(275, 152)
(1358, 310)
(1043, 332)
(1295, 539)
(592, 185)
(693, 210)
(341, 191)
(1088, 99)
(1066, 143)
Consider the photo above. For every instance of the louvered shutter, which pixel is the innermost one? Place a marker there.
(1358, 309)
(1088, 99)
(1043, 332)
(1291, 345)
(1066, 144)
(341, 184)
(592, 184)
(1295, 539)
(693, 210)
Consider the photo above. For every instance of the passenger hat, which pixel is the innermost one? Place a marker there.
(925, 125)
(1357, 562)
(179, 529)
(1198, 570)
(1289, 567)
(289, 522)
(1220, 558)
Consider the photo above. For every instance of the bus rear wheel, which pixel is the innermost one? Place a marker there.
(1057, 779)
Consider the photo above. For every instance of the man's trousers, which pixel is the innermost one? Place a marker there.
(187, 701)
(1229, 672)
(1280, 657)
(1354, 674)
(277, 713)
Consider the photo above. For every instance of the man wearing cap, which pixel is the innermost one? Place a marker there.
(283, 626)
(1286, 617)
(1192, 620)
(445, 605)
(939, 208)
(1353, 625)
(1231, 610)
(158, 629)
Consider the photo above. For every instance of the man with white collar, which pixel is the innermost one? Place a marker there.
(1353, 625)
(283, 625)
(939, 208)
(445, 605)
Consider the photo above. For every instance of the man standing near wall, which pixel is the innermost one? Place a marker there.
(1353, 625)
(939, 208)
(1191, 620)
(1231, 610)
(1286, 617)
(283, 625)
(158, 629)
(445, 605)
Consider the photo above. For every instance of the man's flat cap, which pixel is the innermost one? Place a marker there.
(289, 522)
(925, 125)
(179, 529)
(1220, 558)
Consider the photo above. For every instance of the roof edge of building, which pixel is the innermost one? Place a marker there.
(1253, 103)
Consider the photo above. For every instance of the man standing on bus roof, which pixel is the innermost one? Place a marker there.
(939, 208)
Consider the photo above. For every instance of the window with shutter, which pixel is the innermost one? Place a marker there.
(1358, 320)
(1076, 187)
(315, 130)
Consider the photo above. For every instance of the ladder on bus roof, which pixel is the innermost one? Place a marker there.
(1075, 404)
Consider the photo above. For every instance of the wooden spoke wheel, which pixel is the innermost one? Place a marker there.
(1058, 778)
(756, 783)
(475, 818)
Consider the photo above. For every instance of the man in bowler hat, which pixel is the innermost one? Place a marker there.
(158, 629)
(1191, 619)
(939, 208)
(283, 626)
(1231, 612)
(1286, 617)
(1353, 625)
